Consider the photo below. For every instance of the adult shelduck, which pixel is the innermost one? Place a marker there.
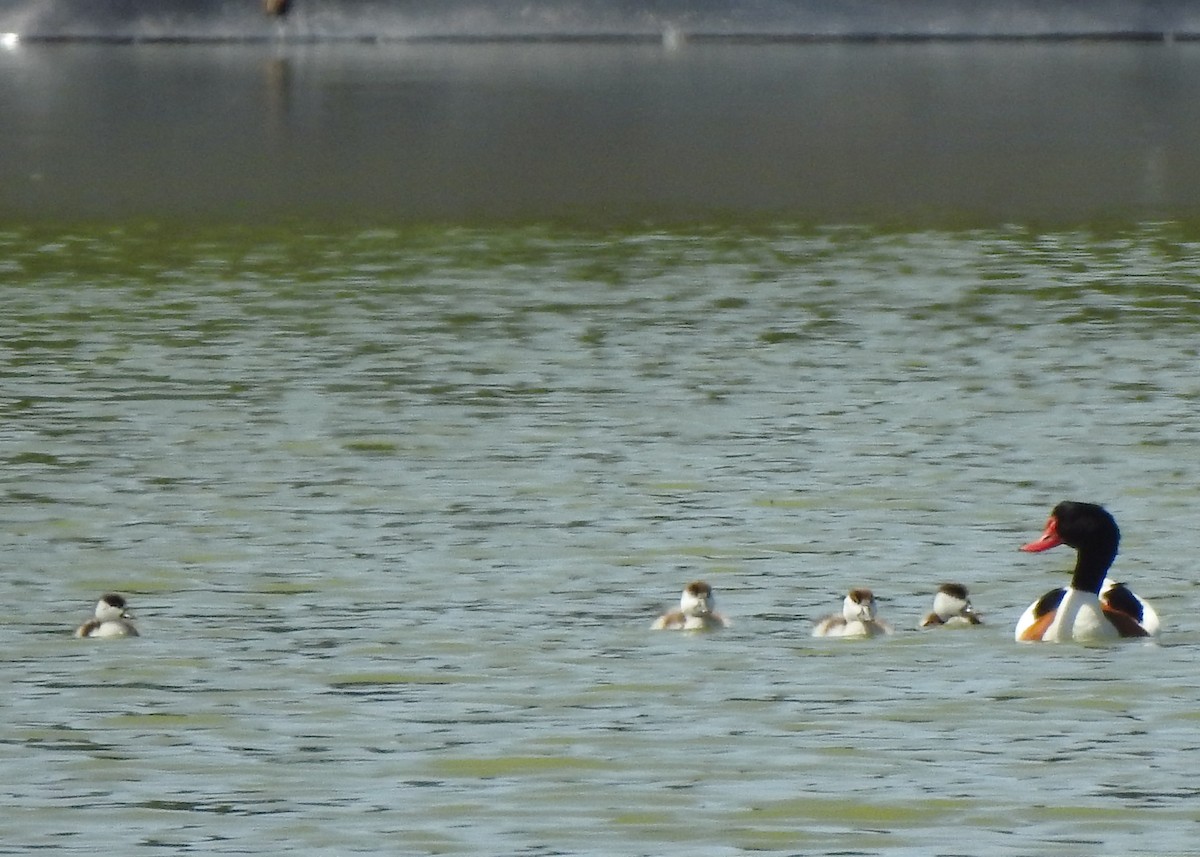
(1091, 608)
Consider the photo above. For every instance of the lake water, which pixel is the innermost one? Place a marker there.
(396, 495)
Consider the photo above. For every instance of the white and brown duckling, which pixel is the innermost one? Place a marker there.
(697, 611)
(111, 619)
(951, 608)
(857, 618)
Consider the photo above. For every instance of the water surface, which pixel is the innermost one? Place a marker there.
(396, 507)
(930, 135)
(400, 387)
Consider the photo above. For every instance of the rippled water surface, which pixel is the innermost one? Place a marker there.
(395, 509)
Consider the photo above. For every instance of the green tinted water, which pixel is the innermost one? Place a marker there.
(396, 507)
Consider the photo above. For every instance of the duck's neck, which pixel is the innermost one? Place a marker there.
(1091, 566)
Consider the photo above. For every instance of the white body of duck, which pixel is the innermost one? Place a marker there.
(1113, 598)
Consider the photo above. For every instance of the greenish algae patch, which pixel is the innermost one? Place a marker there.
(644, 819)
(60, 739)
(373, 447)
(166, 719)
(515, 766)
(428, 842)
(816, 502)
(386, 678)
(1093, 815)
(628, 687)
(285, 587)
(672, 487)
(777, 839)
(851, 813)
(772, 337)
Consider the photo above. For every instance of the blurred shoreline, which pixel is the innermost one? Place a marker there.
(596, 20)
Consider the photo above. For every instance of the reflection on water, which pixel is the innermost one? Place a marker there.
(397, 506)
(941, 134)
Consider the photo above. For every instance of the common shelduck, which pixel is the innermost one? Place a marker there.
(1092, 607)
